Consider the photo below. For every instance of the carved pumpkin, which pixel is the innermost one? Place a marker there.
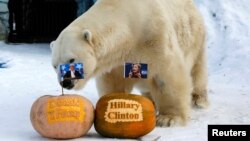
(62, 117)
(124, 116)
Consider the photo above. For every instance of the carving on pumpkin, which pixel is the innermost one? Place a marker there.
(122, 110)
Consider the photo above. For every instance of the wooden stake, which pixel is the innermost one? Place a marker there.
(62, 91)
(62, 88)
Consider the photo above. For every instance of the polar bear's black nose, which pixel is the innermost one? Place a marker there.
(68, 84)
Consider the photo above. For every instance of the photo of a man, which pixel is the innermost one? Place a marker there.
(71, 71)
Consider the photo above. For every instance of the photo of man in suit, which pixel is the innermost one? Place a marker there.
(72, 73)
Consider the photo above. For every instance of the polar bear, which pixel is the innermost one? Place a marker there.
(168, 35)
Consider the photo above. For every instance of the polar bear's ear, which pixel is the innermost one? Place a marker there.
(52, 45)
(87, 35)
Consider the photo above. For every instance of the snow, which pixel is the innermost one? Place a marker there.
(228, 30)
(30, 75)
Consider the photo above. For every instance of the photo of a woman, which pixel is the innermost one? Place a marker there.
(135, 71)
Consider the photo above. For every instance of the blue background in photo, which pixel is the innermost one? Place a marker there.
(144, 70)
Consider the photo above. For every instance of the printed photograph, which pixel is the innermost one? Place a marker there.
(72, 71)
(136, 70)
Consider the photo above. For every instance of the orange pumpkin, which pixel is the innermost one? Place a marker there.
(62, 117)
(124, 116)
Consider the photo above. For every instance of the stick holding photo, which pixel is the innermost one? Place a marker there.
(72, 71)
(136, 70)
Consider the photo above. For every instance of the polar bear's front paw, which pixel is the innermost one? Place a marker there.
(200, 101)
(169, 121)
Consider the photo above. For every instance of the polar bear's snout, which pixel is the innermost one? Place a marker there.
(68, 84)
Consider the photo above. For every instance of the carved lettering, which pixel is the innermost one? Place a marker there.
(65, 109)
(122, 110)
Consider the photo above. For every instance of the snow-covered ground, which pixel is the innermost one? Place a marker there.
(30, 76)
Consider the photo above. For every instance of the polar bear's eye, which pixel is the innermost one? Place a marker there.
(71, 60)
(54, 67)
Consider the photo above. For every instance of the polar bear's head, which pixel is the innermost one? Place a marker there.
(74, 46)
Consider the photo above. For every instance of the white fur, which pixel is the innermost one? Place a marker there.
(168, 35)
